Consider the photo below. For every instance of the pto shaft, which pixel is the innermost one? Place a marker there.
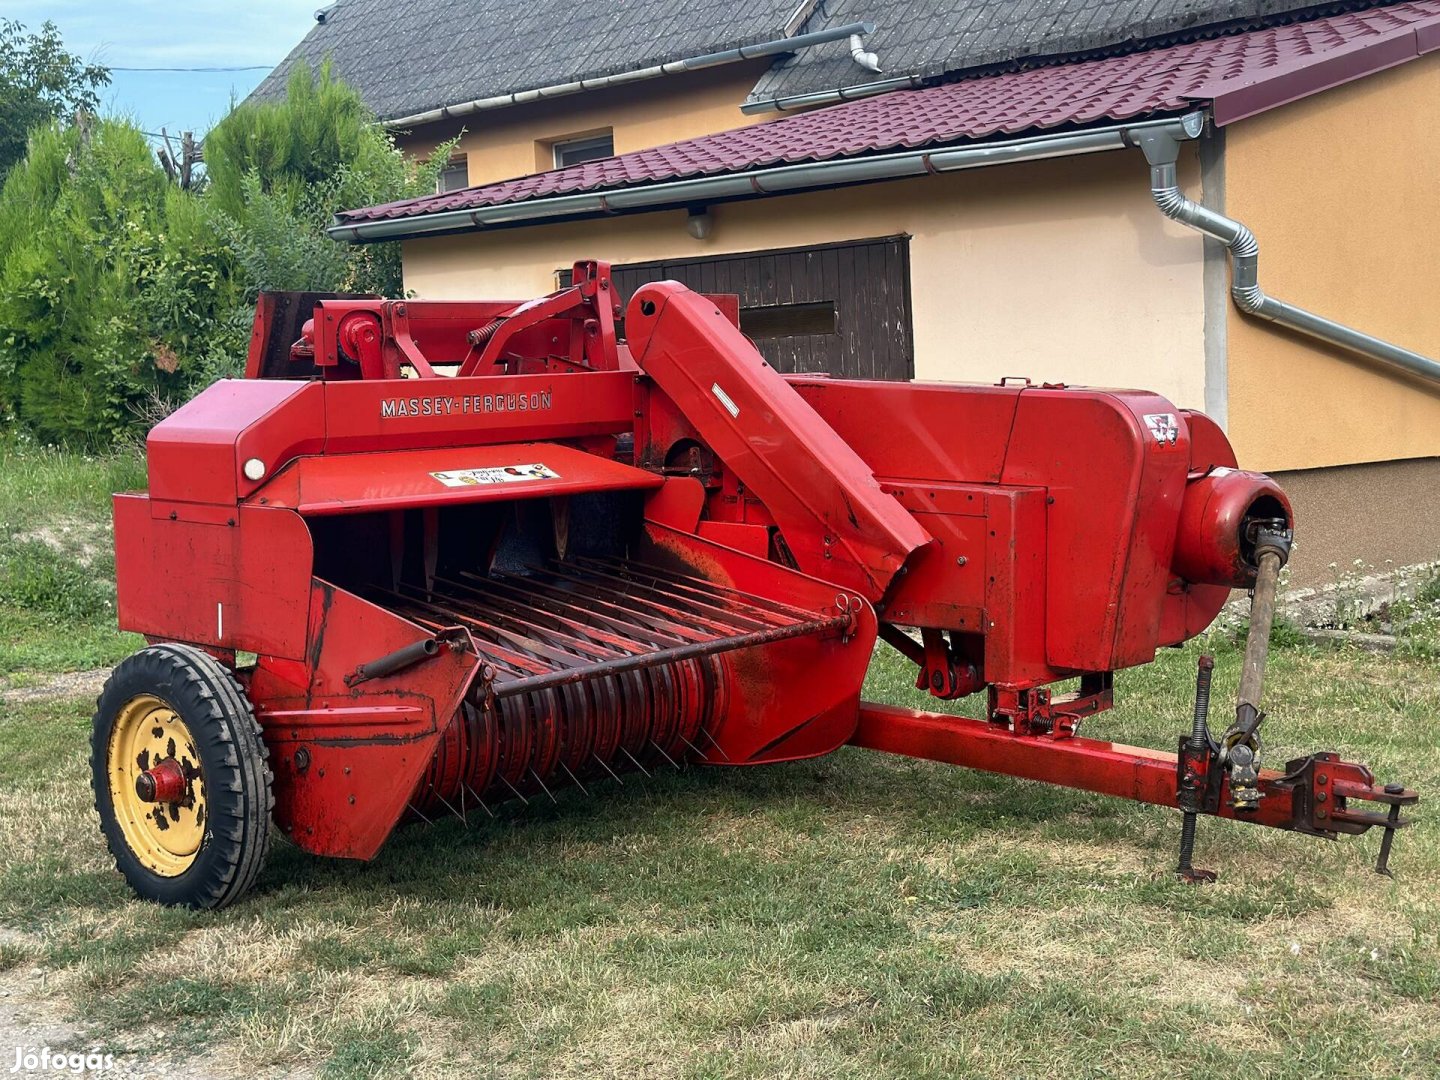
(1240, 748)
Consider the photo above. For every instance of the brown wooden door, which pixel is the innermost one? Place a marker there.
(837, 308)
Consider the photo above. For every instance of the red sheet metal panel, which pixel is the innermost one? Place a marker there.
(405, 414)
(242, 583)
(398, 480)
(366, 745)
(833, 514)
(197, 453)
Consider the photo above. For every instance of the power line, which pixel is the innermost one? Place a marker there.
(251, 67)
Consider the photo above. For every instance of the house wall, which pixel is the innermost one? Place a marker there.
(1057, 270)
(501, 144)
(1340, 190)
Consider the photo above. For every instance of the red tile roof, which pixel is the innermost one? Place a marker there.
(1237, 76)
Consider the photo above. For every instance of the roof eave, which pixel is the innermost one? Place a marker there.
(753, 183)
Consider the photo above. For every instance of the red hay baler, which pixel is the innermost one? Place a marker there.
(477, 552)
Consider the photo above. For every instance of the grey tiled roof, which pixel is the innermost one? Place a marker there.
(939, 36)
(408, 56)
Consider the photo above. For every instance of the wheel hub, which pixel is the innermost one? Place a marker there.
(157, 786)
(164, 783)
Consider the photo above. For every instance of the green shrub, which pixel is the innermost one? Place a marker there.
(121, 294)
(79, 214)
(280, 170)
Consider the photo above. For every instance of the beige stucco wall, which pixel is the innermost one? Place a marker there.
(1060, 270)
(504, 143)
(1341, 191)
(1377, 512)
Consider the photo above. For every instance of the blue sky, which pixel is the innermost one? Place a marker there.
(179, 34)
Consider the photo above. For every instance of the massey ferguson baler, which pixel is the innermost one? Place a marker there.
(478, 552)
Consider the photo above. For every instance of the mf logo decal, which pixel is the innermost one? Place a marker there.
(1164, 426)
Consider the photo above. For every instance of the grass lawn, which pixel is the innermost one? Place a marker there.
(858, 915)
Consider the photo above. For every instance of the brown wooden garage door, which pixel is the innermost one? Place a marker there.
(841, 308)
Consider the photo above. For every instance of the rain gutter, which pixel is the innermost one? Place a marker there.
(692, 63)
(778, 180)
(832, 97)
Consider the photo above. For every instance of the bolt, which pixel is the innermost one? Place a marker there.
(1321, 796)
(1322, 779)
(352, 800)
(961, 561)
(1394, 789)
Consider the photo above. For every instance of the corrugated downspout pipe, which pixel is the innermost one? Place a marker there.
(1162, 150)
(691, 63)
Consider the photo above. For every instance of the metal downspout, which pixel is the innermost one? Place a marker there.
(1162, 150)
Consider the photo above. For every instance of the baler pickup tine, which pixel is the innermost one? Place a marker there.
(665, 656)
(575, 780)
(715, 744)
(692, 746)
(536, 777)
(447, 805)
(613, 774)
(634, 762)
(514, 789)
(666, 756)
(518, 599)
(478, 801)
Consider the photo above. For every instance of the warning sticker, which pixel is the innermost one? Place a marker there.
(504, 474)
(1164, 426)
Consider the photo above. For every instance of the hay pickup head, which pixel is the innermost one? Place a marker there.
(427, 558)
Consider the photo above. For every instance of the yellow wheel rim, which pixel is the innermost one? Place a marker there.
(164, 836)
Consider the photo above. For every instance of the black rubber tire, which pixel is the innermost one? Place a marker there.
(233, 757)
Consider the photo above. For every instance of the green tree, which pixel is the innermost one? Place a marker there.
(40, 82)
(121, 293)
(111, 282)
(279, 170)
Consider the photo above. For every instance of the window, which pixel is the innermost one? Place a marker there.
(574, 151)
(454, 176)
(789, 320)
